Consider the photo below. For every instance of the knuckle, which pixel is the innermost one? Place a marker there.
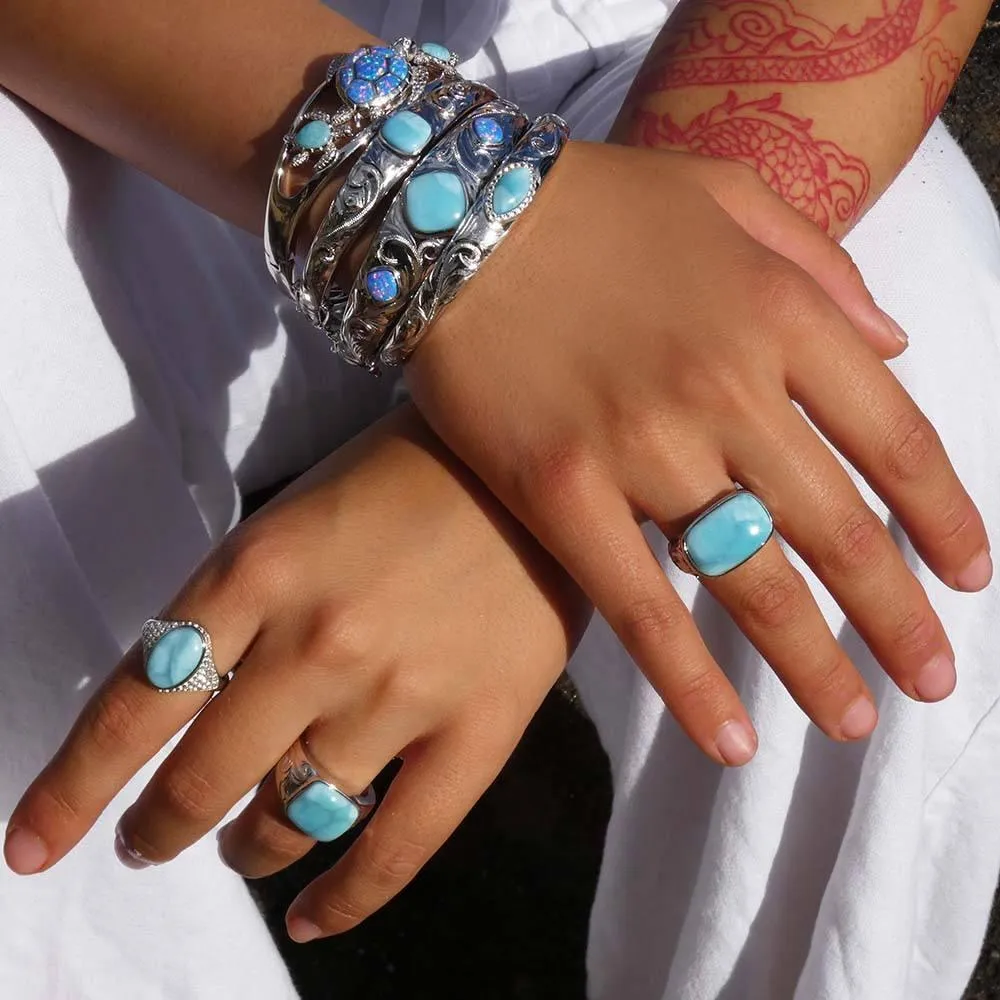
(188, 795)
(560, 475)
(341, 633)
(649, 621)
(773, 600)
(786, 298)
(857, 542)
(115, 722)
(53, 804)
(392, 863)
(913, 633)
(247, 562)
(830, 677)
(697, 693)
(958, 525)
(909, 445)
(338, 912)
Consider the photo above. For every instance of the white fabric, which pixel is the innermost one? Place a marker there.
(148, 372)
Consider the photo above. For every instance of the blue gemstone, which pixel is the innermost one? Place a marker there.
(436, 51)
(383, 51)
(398, 66)
(313, 135)
(406, 132)
(513, 189)
(728, 535)
(382, 284)
(345, 76)
(361, 92)
(435, 201)
(369, 67)
(488, 130)
(175, 656)
(321, 812)
(388, 85)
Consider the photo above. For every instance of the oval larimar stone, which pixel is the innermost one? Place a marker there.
(728, 535)
(382, 284)
(436, 51)
(435, 201)
(512, 189)
(406, 132)
(313, 135)
(488, 131)
(321, 812)
(175, 657)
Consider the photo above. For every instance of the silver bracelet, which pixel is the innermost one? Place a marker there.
(361, 89)
(419, 222)
(389, 158)
(508, 194)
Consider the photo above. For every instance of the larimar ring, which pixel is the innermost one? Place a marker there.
(313, 805)
(178, 657)
(726, 535)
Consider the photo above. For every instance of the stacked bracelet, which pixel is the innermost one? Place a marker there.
(390, 157)
(363, 88)
(419, 223)
(508, 194)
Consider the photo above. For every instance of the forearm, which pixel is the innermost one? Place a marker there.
(827, 100)
(196, 94)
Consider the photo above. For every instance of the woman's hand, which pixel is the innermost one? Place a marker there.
(384, 606)
(641, 342)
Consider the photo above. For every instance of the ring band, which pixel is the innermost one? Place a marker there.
(725, 535)
(314, 805)
(178, 657)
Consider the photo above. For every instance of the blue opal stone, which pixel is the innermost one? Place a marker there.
(382, 284)
(313, 135)
(345, 76)
(488, 130)
(728, 535)
(435, 201)
(512, 189)
(370, 67)
(321, 812)
(399, 67)
(406, 132)
(386, 86)
(361, 91)
(383, 51)
(436, 51)
(175, 656)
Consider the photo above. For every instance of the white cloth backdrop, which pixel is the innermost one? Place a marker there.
(148, 373)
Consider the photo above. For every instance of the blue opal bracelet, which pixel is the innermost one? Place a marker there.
(509, 192)
(419, 222)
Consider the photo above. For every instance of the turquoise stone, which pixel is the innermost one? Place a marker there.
(406, 132)
(512, 189)
(435, 201)
(728, 535)
(321, 812)
(437, 51)
(313, 135)
(175, 657)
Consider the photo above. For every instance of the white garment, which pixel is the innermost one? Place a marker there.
(149, 370)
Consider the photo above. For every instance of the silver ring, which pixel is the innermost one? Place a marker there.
(177, 656)
(479, 234)
(342, 131)
(448, 180)
(723, 536)
(315, 806)
(393, 152)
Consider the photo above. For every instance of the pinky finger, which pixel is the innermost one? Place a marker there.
(432, 793)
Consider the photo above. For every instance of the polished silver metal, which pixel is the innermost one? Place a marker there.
(407, 253)
(352, 127)
(678, 549)
(296, 771)
(479, 234)
(372, 178)
(206, 677)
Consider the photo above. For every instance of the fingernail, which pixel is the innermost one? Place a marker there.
(977, 574)
(895, 329)
(937, 680)
(736, 743)
(301, 930)
(859, 720)
(24, 851)
(129, 856)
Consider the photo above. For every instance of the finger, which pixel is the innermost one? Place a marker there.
(771, 221)
(820, 512)
(440, 781)
(868, 416)
(124, 724)
(589, 528)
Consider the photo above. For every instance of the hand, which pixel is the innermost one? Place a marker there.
(641, 342)
(385, 605)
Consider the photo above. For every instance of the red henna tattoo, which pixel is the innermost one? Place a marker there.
(814, 175)
(939, 71)
(769, 41)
